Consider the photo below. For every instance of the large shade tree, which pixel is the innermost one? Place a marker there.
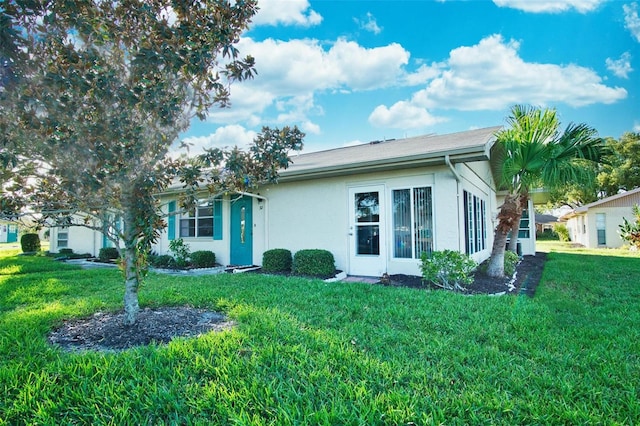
(94, 93)
(532, 152)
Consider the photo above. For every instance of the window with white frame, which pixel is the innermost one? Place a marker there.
(412, 222)
(601, 228)
(475, 223)
(63, 238)
(197, 222)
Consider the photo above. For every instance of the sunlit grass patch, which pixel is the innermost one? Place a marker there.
(309, 352)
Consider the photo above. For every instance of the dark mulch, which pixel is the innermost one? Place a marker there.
(527, 278)
(106, 331)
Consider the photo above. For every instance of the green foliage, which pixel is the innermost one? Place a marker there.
(562, 231)
(630, 232)
(277, 260)
(30, 243)
(547, 235)
(448, 269)
(314, 262)
(65, 251)
(112, 102)
(181, 252)
(203, 259)
(532, 152)
(620, 169)
(161, 261)
(511, 260)
(108, 253)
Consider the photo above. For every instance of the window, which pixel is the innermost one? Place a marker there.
(367, 214)
(475, 223)
(601, 229)
(63, 238)
(412, 222)
(523, 229)
(197, 222)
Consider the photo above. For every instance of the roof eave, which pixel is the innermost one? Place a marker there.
(479, 153)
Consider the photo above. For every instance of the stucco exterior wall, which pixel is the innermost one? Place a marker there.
(583, 227)
(316, 213)
(80, 239)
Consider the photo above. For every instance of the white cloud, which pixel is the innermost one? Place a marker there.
(403, 115)
(631, 19)
(226, 136)
(286, 12)
(491, 76)
(636, 126)
(369, 23)
(620, 67)
(290, 73)
(550, 6)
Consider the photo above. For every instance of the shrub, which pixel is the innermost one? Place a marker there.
(277, 260)
(511, 260)
(562, 231)
(547, 235)
(161, 261)
(65, 251)
(203, 259)
(630, 232)
(180, 252)
(30, 243)
(448, 269)
(314, 262)
(108, 253)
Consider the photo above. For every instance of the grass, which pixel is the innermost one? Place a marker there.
(308, 352)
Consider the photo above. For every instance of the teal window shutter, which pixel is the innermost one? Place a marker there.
(171, 221)
(217, 218)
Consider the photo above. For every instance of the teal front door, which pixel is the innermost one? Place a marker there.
(12, 233)
(242, 232)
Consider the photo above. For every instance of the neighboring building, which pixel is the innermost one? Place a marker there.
(80, 239)
(545, 222)
(376, 207)
(8, 232)
(597, 224)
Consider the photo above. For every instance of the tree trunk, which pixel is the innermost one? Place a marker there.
(131, 284)
(522, 202)
(130, 267)
(509, 213)
(513, 242)
(496, 262)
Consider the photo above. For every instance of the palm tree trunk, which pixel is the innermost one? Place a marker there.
(496, 261)
(510, 213)
(513, 242)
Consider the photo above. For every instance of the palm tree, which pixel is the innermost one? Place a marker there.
(532, 153)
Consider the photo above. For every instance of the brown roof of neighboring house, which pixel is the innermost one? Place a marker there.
(471, 145)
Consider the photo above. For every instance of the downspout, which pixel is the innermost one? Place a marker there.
(456, 175)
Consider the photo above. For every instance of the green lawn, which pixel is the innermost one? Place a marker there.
(307, 352)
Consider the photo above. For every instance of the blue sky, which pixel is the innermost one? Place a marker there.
(349, 72)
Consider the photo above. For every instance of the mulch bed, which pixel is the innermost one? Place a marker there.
(527, 277)
(106, 331)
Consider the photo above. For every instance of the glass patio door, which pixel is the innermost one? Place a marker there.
(367, 231)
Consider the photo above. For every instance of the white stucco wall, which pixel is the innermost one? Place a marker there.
(315, 213)
(583, 228)
(80, 239)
